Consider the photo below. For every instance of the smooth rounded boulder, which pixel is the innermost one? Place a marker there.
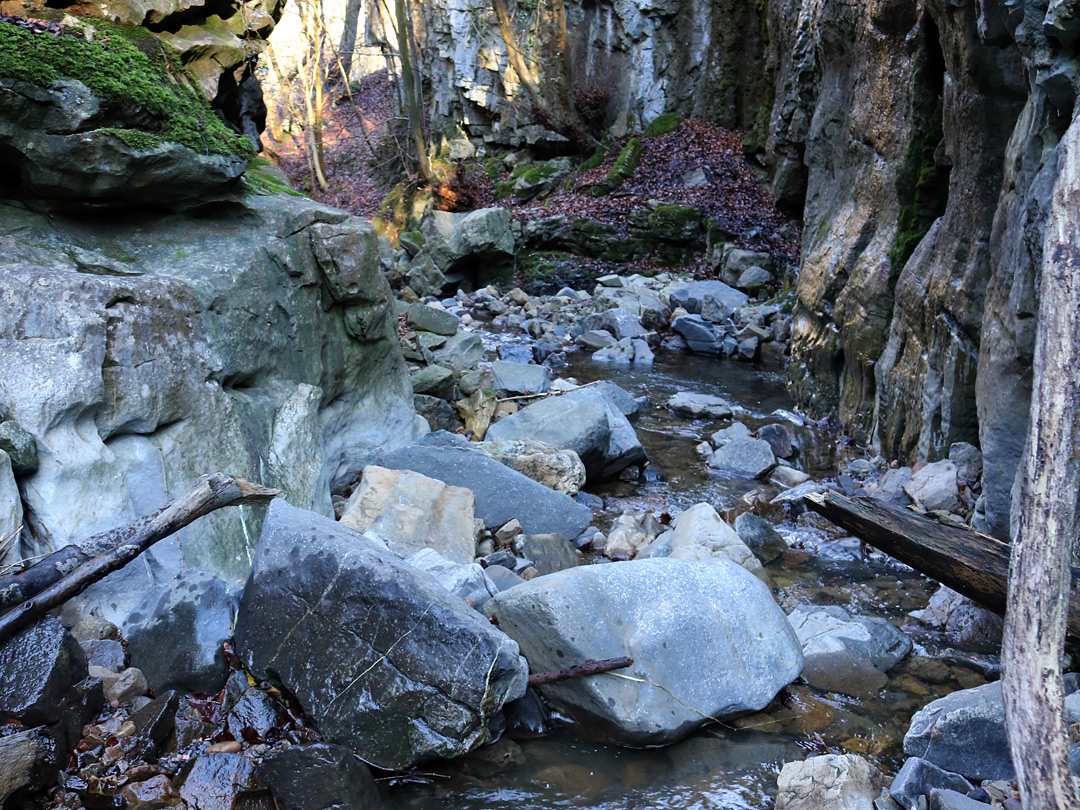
(707, 640)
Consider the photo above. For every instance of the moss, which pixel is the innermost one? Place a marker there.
(627, 163)
(667, 216)
(264, 182)
(662, 125)
(503, 190)
(923, 189)
(493, 167)
(137, 139)
(129, 69)
(597, 158)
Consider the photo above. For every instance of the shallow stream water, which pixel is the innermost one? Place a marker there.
(734, 765)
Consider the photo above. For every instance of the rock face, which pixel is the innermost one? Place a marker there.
(384, 659)
(652, 611)
(410, 512)
(259, 341)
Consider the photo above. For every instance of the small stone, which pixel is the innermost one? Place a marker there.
(128, 685)
(104, 653)
(507, 532)
(529, 572)
(20, 447)
(779, 438)
(94, 628)
(227, 747)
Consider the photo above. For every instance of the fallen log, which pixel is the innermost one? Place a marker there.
(65, 576)
(969, 562)
(581, 670)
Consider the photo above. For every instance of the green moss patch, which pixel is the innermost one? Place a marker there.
(628, 161)
(662, 125)
(130, 69)
(923, 187)
(263, 179)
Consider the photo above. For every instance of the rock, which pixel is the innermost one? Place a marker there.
(462, 352)
(630, 532)
(424, 277)
(128, 685)
(595, 339)
(779, 438)
(91, 627)
(41, 664)
(508, 532)
(320, 777)
(219, 781)
(20, 448)
(787, 476)
(736, 261)
(527, 718)
(830, 782)
(964, 733)
(585, 421)
(700, 335)
(699, 405)
(653, 611)
(225, 341)
(500, 493)
(845, 653)
(760, 537)
(618, 322)
(961, 454)
(478, 410)
(470, 582)
(410, 511)
(255, 711)
(520, 378)
(750, 458)
(439, 413)
(701, 294)
(176, 634)
(28, 759)
(104, 653)
(550, 552)
(433, 380)
(430, 319)
(155, 721)
(934, 487)
(430, 670)
(626, 350)
(561, 470)
(150, 794)
(504, 578)
(700, 533)
(945, 799)
(753, 277)
(918, 777)
(737, 430)
(482, 234)
(11, 513)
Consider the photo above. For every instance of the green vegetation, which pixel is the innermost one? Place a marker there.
(627, 163)
(923, 188)
(597, 157)
(130, 69)
(662, 125)
(137, 139)
(263, 178)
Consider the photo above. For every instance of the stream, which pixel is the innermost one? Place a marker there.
(724, 766)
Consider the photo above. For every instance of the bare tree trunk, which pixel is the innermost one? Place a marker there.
(1038, 573)
(347, 45)
(412, 102)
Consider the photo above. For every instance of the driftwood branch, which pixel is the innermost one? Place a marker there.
(581, 670)
(965, 560)
(547, 394)
(63, 576)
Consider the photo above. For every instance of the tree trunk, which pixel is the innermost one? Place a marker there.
(1038, 571)
(347, 45)
(412, 102)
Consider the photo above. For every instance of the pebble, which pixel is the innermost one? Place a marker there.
(228, 747)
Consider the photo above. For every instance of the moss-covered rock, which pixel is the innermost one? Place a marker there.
(627, 163)
(662, 125)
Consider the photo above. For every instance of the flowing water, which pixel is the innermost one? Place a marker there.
(734, 765)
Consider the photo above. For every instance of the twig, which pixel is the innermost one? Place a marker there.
(581, 670)
(549, 393)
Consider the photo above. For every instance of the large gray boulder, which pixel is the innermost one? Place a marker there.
(829, 782)
(585, 421)
(964, 733)
(749, 458)
(520, 378)
(697, 297)
(653, 611)
(383, 658)
(450, 238)
(409, 512)
(259, 341)
(846, 653)
(620, 323)
(700, 335)
(41, 664)
(500, 493)
(176, 633)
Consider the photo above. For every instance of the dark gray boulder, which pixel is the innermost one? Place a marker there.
(945, 799)
(520, 378)
(28, 759)
(219, 781)
(779, 438)
(701, 336)
(550, 552)
(585, 421)
(39, 666)
(700, 294)
(750, 458)
(500, 493)
(702, 635)
(759, 535)
(320, 777)
(964, 733)
(377, 652)
(918, 777)
(104, 652)
(175, 635)
(620, 323)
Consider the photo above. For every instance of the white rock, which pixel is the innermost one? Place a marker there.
(934, 487)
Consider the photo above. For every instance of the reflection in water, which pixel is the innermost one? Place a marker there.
(734, 766)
